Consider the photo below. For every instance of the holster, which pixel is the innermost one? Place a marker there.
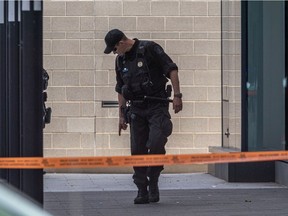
(125, 110)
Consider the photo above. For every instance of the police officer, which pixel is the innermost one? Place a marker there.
(142, 71)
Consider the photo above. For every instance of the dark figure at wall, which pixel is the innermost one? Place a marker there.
(142, 72)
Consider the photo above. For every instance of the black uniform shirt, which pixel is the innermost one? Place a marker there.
(159, 63)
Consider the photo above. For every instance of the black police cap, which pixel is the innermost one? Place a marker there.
(111, 39)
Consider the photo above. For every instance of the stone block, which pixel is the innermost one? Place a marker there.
(54, 62)
(207, 24)
(80, 152)
(214, 35)
(193, 8)
(47, 140)
(47, 47)
(88, 140)
(193, 125)
(56, 93)
(80, 62)
(232, 23)
(215, 124)
(123, 23)
(180, 140)
(194, 93)
(99, 47)
(66, 140)
(68, 78)
(80, 35)
(55, 152)
(57, 125)
(87, 78)
(214, 62)
(65, 109)
(106, 62)
(100, 111)
(164, 35)
(136, 8)
(235, 125)
(208, 47)
(68, 47)
(180, 47)
(104, 78)
(54, 8)
(108, 8)
(186, 77)
(214, 8)
(80, 8)
(107, 125)
(65, 24)
(193, 35)
(207, 109)
(102, 141)
(46, 24)
(87, 23)
(87, 47)
(232, 47)
(113, 112)
(105, 93)
(87, 109)
(193, 62)
(214, 93)
(235, 109)
(112, 152)
(207, 78)
(120, 142)
(165, 8)
(101, 23)
(170, 151)
(54, 35)
(179, 24)
(84, 125)
(150, 23)
(80, 93)
(206, 140)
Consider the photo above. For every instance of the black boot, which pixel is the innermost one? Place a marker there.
(142, 196)
(153, 192)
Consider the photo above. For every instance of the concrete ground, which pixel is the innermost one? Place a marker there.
(181, 194)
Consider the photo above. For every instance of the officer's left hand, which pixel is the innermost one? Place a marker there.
(177, 104)
(122, 125)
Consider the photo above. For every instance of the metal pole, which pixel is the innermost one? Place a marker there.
(3, 123)
(31, 75)
(13, 96)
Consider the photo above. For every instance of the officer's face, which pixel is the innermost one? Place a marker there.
(119, 48)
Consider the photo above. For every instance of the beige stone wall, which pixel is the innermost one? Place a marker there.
(231, 51)
(81, 76)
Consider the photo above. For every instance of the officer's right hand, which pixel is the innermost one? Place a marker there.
(177, 104)
(122, 125)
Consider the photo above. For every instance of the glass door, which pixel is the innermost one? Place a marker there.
(265, 76)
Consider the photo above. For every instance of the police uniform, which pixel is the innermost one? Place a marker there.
(143, 71)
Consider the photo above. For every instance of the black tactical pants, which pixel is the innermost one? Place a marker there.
(150, 125)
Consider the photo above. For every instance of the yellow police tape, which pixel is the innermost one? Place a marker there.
(139, 160)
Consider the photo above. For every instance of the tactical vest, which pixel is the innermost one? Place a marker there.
(136, 75)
